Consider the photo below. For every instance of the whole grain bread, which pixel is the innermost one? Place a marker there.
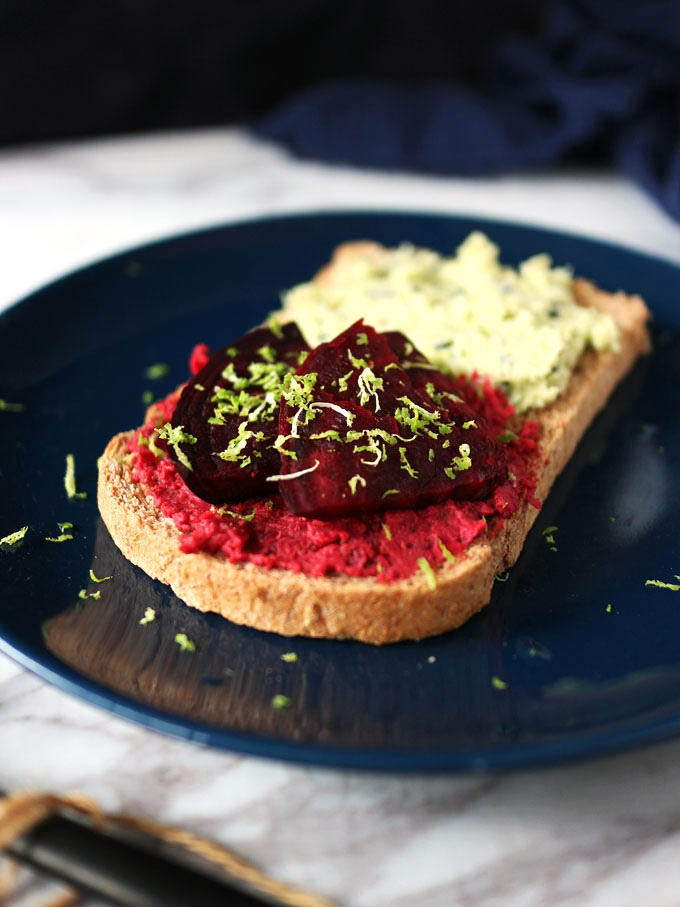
(343, 607)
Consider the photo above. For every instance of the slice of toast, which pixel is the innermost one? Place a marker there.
(344, 607)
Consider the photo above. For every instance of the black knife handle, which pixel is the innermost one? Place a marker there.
(110, 867)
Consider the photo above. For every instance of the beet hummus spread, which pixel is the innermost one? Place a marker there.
(346, 519)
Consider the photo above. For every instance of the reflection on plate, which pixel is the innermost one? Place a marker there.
(588, 656)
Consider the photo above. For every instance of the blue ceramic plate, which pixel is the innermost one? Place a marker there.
(589, 655)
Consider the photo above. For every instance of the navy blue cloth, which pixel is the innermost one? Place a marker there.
(600, 82)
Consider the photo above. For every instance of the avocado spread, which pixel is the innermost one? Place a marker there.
(468, 313)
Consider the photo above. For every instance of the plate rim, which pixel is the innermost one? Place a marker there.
(329, 212)
(508, 757)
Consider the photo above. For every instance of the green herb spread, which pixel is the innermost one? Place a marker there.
(467, 313)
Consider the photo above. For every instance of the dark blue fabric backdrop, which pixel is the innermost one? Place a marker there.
(602, 80)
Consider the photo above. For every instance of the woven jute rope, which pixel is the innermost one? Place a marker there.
(9, 872)
(8, 876)
(20, 812)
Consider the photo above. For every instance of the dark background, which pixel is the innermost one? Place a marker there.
(91, 67)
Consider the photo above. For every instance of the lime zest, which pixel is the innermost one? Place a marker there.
(417, 418)
(63, 536)
(375, 433)
(85, 594)
(14, 537)
(157, 371)
(153, 447)
(427, 570)
(293, 475)
(246, 517)
(549, 535)
(373, 447)
(70, 479)
(498, 684)
(289, 657)
(362, 339)
(674, 587)
(298, 390)
(506, 437)
(349, 417)
(460, 463)
(356, 361)
(389, 491)
(175, 435)
(7, 407)
(95, 579)
(267, 352)
(233, 453)
(330, 435)
(229, 374)
(406, 465)
(236, 401)
(149, 615)
(185, 644)
(369, 385)
(275, 327)
(463, 461)
(281, 702)
(445, 551)
(469, 424)
(354, 481)
(150, 442)
(278, 445)
(343, 381)
(387, 531)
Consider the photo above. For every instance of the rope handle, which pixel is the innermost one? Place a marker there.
(20, 812)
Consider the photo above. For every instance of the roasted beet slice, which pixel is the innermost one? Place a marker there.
(360, 435)
(231, 408)
(445, 392)
(440, 387)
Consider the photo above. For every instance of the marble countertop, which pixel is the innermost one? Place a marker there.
(597, 833)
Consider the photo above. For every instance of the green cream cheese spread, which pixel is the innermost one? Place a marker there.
(467, 313)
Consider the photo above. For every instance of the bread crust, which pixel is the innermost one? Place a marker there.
(342, 607)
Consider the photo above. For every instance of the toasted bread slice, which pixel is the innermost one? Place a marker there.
(344, 607)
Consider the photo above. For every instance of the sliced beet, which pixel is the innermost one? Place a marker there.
(445, 392)
(361, 435)
(442, 388)
(232, 405)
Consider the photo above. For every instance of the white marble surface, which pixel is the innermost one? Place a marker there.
(600, 833)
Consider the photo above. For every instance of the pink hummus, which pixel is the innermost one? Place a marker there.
(387, 546)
